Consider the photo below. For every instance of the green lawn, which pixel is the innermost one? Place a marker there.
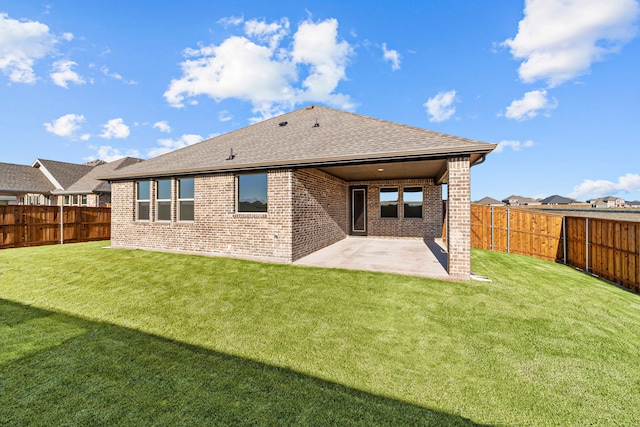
(94, 336)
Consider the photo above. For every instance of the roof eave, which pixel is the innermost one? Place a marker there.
(438, 154)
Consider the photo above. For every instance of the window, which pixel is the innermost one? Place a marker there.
(143, 192)
(388, 203)
(83, 199)
(67, 199)
(252, 193)
(163, 200)
(38, 200)
(185, 199)
(75, 200)
(412, 197)
(31, 200)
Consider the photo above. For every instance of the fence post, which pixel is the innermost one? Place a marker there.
(508, 231)
(586, 244)
(61, 224)
(564, 240)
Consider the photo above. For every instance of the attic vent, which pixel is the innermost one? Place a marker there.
(231, 155)
(283, 124)
(310, 108)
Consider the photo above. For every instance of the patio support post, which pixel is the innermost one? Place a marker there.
(459, 218)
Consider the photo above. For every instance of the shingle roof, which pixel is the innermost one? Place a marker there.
(64, 173)
(309, 136)
(90, 183)
(557, 200)
(488, 201)
(21, 178)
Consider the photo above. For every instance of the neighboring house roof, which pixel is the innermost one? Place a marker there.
(557, 200)
(314, 136)
(23, 179)
(89, 183)
(519, 200)
(488, 201)
(61, 174)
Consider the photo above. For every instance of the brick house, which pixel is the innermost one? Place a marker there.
(291, 185)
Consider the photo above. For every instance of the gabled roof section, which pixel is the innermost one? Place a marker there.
(557, 200)
(313, 136)
(61, 174)
(90, 183)
(23, 179)
(488, 201)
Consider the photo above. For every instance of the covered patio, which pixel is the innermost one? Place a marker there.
(415, 257)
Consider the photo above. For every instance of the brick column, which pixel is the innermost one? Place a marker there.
(459, 218)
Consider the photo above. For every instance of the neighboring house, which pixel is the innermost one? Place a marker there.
(89, 190)
(49, 182)
(608, 202)
(489, 201)
(558, 200)
(291, 185)
(21, 184)
(634, 204)
(520, 201)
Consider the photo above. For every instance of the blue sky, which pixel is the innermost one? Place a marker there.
(555, 83)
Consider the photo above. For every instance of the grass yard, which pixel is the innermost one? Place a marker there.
(94, 336)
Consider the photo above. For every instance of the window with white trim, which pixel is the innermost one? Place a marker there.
(163, 200)
(185, 199)
(143, 196)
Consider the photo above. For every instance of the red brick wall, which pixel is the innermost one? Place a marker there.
(427, 227)
(319, 211)
(308, 210)
(216, 228)
(459, 218)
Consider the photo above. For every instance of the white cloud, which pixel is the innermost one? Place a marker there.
(529, 106)
(392, 56)
(67, 36)
(440, 107)
(61, 74)
(162, 126)
(116, 76)
(168, 145)
(231, 21)
(559, 40)
(115, 128)
(224, 116)
(65, 125)
(22, 43)
(256, 69)
(85, 136)
(110, 154)
(515, 145)
(600, 188)
(271, 33)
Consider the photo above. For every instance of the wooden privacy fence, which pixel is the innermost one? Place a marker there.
(49, 225)
(607, 248)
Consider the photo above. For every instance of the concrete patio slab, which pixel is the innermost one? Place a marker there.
(402, 256)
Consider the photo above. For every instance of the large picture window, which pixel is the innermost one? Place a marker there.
(143, 194)
(388, 203)
(185, 199)
(163, 200)
(252, 193)
(412, 197)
